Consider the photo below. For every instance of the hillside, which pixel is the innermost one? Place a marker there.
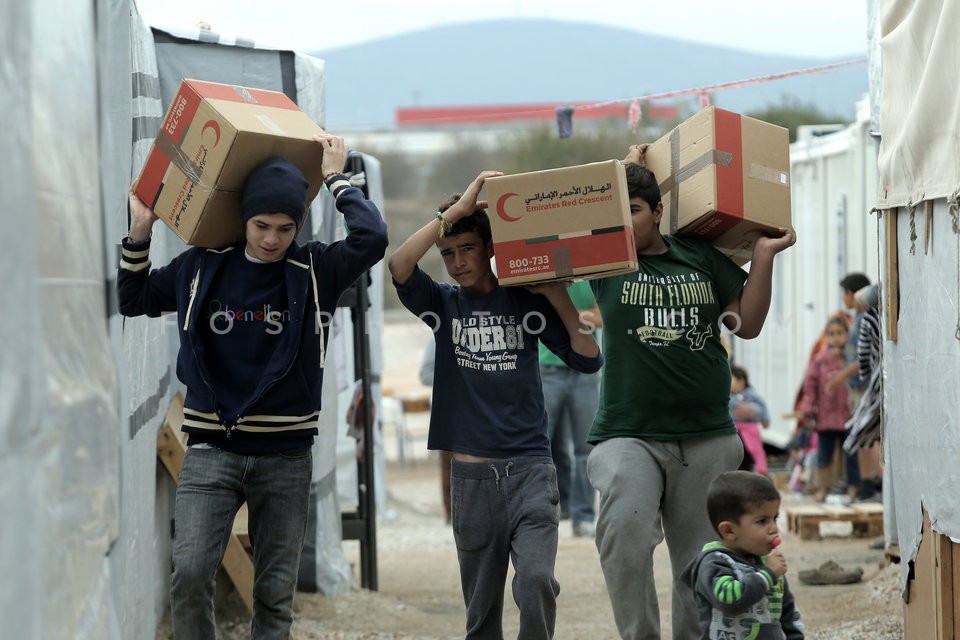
(540, 60)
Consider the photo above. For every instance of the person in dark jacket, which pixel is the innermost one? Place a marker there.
(739, 581)
(251, 319)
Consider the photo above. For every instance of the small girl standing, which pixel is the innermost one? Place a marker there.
(749, 413)
(828, 410)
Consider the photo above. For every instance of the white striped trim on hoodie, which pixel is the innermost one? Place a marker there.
(253, 424)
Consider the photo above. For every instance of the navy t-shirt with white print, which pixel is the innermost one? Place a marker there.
(487, 398)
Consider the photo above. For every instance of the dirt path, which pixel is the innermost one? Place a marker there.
(419, 593)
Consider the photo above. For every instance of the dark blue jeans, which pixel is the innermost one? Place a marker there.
(827, 443)
(213, 485)
(571, 399)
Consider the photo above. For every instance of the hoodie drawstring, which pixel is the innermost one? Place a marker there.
(506, 473)
(316, 305)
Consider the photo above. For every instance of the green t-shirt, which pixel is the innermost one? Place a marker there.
(666, 374)
(582, 298)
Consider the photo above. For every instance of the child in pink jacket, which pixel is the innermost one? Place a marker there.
(827, 410)
(749, 413)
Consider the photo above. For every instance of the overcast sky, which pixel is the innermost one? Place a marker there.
(826, 28)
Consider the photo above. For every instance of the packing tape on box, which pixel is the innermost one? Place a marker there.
(244, 93)
(678, 174)
(562, 262)
(270, 125)
(768, 174)
(179, 159)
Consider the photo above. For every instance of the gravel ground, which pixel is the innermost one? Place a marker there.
(419, 594)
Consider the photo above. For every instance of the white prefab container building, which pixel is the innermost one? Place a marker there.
(833, 174)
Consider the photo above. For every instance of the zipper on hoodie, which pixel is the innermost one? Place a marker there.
(213, 394)
(293, 360)
(194, 286)
(253, 402)
(231, 425)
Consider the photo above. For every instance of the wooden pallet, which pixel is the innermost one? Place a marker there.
(171, 448)
(866, 517)
(240, 529)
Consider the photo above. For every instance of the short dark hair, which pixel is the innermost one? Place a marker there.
(641, 183)
(478, 221)
(734, 493)
(853, 282)
(740, 374)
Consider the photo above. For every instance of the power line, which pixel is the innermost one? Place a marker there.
(702, 91)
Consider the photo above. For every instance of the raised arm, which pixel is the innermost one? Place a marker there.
(141, 291)
(746, 314)
(405, 258)
(142, 218)
(592, 317)
(581, 333)
(366, 240)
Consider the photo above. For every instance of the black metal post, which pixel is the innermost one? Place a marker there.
(365, 466)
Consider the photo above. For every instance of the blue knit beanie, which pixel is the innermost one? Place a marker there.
(274, 186)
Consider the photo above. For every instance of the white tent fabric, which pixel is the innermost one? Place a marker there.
(920, 108)
(919, 164)
(22, 372)
(86, 553)
(60, 467)
(922, 398)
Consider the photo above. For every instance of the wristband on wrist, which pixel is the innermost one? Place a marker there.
(327, 175)
(444, 225)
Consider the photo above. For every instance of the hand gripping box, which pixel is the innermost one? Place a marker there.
(212, 136)
(558, 224)
(724, 178)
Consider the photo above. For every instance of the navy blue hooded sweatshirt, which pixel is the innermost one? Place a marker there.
(285, 403)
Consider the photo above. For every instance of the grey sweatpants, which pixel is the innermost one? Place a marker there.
(507, 509)
(650, 490)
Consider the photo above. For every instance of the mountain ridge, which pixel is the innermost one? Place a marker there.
(493, 62)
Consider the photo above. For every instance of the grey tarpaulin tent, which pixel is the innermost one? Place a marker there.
(86, 543)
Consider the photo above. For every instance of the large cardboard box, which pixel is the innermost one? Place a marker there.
(725, 178)
(211, 137)
(572, 222)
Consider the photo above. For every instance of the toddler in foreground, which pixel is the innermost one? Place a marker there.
(739, 581)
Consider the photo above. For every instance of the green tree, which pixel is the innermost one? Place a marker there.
(540, 148)
(791, 113)
(451, 171)
(402, 174)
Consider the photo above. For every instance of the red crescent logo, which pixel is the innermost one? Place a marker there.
(500, 207)
(212, 124)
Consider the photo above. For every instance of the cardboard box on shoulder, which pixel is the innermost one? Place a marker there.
(212, 136)
(559, 224)
(725, 178)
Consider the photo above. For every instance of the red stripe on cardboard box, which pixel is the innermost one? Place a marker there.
(151, 177)
(584, 251)
(236, 93)
(729, 178)
(180, 113)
